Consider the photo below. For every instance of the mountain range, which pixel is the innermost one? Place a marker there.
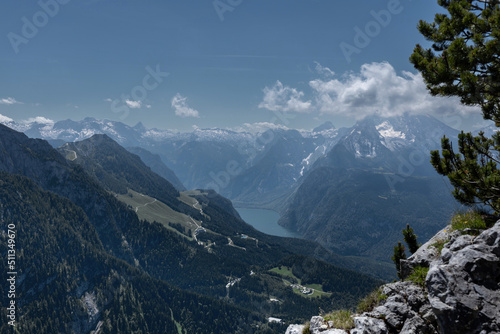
(199, 158)
(114, 247)
(358, 197)
(351, 189)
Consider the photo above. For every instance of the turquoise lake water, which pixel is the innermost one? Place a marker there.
(265, 221)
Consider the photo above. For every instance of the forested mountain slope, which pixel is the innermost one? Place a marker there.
(229, 253)
(68, 283)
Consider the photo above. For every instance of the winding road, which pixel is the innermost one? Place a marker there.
(141, 206)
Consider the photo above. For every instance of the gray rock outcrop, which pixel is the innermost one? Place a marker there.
(295, 329)
(318, 325)
(464, 284)
(405, 310)
(461, 293)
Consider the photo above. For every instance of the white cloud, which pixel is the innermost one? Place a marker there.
(324, 71)
(284, 98)
(9, 100)
(378, 89)
(133, 104)
(179, 103)
(39, 120)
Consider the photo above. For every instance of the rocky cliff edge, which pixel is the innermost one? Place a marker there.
(461, 293)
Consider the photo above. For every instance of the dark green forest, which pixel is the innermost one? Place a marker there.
(86, 261)
(61, 262)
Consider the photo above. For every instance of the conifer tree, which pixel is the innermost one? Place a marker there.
(399, 254)
(464, 61)
(410, 239)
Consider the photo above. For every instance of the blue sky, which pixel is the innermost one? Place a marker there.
(239, 64)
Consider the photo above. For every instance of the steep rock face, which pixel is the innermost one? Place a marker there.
(461, 294)
(406, 310)
(464, 284)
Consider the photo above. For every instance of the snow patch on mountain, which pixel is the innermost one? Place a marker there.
(386, 130)
(158, 135)
(327, 133)
(5, 120)
(391, 138)
(307, 161)
(318, 152)
(220, 135)
(368, 149)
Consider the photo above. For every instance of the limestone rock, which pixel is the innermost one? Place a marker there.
(405, 309)
(295, 329)
(318, 325)
(462, 292)
(464, 285)
(367, 325)
(425, 254)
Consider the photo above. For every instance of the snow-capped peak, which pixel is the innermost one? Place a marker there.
(5, 119)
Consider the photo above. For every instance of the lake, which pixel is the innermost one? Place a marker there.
(266, 221)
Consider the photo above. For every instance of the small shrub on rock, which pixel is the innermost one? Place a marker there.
(342, 319)
(468, 220)
(418, 276)
(439, 245)
(371, 301)
(307, 329)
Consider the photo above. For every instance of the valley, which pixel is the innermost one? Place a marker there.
(250, 167)
(307, 177)
(334, 212)
(194, 241)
